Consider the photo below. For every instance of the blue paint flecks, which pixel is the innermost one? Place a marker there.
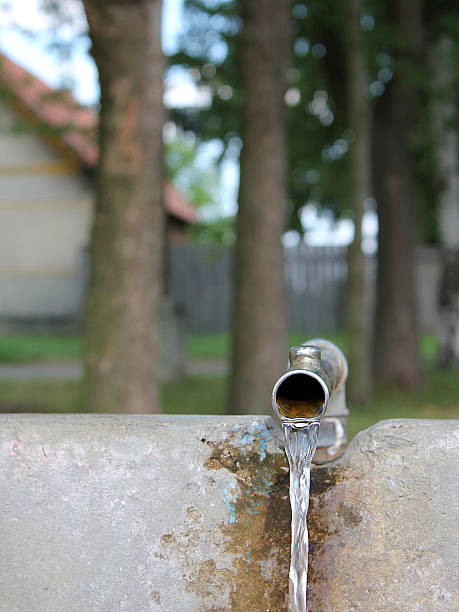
(254, 439)
(262, 447)
(228, 498)
(263, 437)
(247, 439)
(247, 558)
(259, 436)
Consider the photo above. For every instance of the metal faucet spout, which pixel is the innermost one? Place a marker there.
(316, 372)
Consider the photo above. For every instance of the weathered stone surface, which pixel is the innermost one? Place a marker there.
(383, 521)
(104, 513)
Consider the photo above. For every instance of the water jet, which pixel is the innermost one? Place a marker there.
(316, 373)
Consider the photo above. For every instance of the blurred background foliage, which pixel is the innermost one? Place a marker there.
(318, 134)
(199, 139)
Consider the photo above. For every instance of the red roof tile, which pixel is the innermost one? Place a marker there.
(74, 125)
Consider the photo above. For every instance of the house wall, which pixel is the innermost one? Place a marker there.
(45, 215)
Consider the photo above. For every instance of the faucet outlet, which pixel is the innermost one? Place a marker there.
(312, 386)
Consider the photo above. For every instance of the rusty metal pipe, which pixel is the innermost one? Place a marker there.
(315, 376)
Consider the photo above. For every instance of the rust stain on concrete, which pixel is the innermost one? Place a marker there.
(258, 539)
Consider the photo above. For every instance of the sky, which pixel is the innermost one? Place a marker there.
(34, 54)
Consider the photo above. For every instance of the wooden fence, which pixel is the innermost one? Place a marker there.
(315, 278)
(200, 281)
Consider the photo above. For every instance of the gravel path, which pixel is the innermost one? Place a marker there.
(73, 370)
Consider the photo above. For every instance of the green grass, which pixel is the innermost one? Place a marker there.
(16, 348)
(25, 348)
(217, 346)
(437, 399)
(208, 346)
(41, 347)
(195, 395)
(22, 348)
(40, 396)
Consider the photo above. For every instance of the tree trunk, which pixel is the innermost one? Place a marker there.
(358, 321)
(396, 337)
(446, 142)
(259, 326)
(122, 309)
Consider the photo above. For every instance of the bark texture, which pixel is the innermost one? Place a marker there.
(122, 309)
(358, 320)
(444, 111)
(259, 338)
(446, 142)
(396, 338)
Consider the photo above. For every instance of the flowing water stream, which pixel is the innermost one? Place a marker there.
(300, 445)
